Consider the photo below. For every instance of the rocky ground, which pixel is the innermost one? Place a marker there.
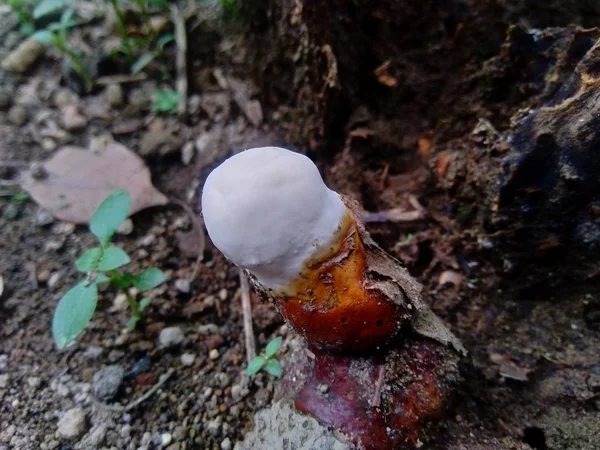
(178, 383)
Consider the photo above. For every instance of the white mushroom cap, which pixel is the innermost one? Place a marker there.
(268, 210)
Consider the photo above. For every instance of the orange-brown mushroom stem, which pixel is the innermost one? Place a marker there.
(331, 303)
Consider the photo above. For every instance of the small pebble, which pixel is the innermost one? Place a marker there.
(126, 227)
(323, 388)
(34, 382)
(93, 352)
(73, 119)
(170, 337)
(10, 211)
(4, 379)
(182, 286)
(72, 425)
(63, 98)
(54, 279)
(114, 95)
(147, 240)
(213, 354)
(226, 444)
(17, 115)
(166, 438)
(187, 153)
(107, 381)
(187, 359)
(43, 218)
(125, 431)
(142, 365)
(48, 144)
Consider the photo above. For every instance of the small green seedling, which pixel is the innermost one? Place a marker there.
(165, 101)
(267, 362)
(29, 12)
(57, 35)
(100, 265)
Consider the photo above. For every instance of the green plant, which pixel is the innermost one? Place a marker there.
(28, 13)
(150, 45)
(24, 15)
(57, 34)
(267, 361)
(165, 101)
(100, 264)
(19, 197)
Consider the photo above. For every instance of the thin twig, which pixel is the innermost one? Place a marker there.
(180, 59)
(378, 386)
(162, 380)
(198, 228)
(247, 313)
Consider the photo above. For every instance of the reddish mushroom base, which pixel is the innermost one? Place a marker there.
(380, 402)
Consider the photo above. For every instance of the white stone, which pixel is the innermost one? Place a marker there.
(72, 425)
(269, 211)
(187, 359)
(165, 439)
(170, 337)
(226, 444)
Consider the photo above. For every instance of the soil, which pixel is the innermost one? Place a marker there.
(533, 381)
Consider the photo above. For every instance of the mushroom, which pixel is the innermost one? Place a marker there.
(361, 313)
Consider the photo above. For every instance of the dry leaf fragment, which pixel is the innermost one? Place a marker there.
(508, 368)
(77, 180)
(383, 75)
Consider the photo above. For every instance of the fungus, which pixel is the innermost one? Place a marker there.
(390, 361)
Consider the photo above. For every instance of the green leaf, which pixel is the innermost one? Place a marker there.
(19, 197)
(132, 322)
(46, 7)
(164, 40)
(113, 258)
(273, 367)
(162, 4)
(101, 278)
(73, 313)
(123, 280)
(27, 28)
(65, 18)
(111, 213)
(149, 279)
(273, 346)
(45, 37)
(165, 101)
(144, 303)
(89, 260)
(142, 62)
(255, 365)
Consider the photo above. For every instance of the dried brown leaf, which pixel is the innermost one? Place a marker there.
(77, 180)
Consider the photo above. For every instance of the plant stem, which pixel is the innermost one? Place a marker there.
(77, 63)
(122, 30)
(133, 304)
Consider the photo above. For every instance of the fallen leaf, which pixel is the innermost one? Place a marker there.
(160, 139)
(252, 109)
(441, 165)
(383, 75)
(508, 368)
(424, 146)
(75, 181)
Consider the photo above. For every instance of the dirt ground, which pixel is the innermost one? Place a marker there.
(533, 381)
